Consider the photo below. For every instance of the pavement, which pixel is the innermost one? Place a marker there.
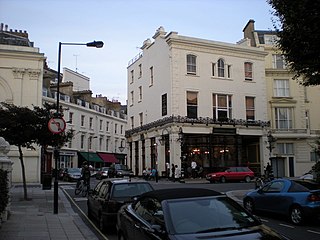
(34, 219)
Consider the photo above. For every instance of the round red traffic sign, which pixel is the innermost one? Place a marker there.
(57, 125)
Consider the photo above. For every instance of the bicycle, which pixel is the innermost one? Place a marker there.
(82, 188)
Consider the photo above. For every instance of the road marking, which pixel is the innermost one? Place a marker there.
(85, 215)
(313, 232)
(285, 225)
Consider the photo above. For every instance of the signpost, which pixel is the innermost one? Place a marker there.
(57, 125)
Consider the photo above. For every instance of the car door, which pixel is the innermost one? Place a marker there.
(92, 198)
(270, 197)
(100, 199)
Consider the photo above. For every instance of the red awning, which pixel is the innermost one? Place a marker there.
(108, 157)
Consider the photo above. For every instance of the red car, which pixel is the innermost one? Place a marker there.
(231, 174)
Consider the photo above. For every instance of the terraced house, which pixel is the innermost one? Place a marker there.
(292, 109)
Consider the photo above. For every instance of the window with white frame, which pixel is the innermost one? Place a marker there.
(278, 61)
(132, 76)
(82, 120)
(285, 148)
(107, 144)
(221, 67)
(281, 88)
(248, 71)
(100, 143)
(140, 70)
(191, 64)
(213, 69)
(91, 123)
(132, 121)
(151, 76)
(140, 93)
(132, 97)
(192, 104)
(115, 128)
(100, 125)
(70, 117)
(141, 118)
(82, 142)
(283, 118)
(107, 126)
(250, 108)
(222, 107)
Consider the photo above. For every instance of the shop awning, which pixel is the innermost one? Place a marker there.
(91, 157)
(108, 157)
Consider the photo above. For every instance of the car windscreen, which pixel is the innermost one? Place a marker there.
(208, 214)
(74, 170)
(129, 190)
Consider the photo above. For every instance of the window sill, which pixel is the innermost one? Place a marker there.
(192, 75)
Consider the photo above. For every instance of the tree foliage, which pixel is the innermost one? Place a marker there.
(299, 37)
(25, 128)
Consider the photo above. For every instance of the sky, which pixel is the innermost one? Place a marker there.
(123, 25)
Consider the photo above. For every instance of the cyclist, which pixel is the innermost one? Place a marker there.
(85, 174)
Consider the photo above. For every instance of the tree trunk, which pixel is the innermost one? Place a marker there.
(23, 173)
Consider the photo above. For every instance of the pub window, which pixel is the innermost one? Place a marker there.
(250, 109)
(222, 107)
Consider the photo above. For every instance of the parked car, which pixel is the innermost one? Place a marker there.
(231, 174)
(296, 199)
(189, 213)
(71, 174)
(109, 195)
(311, 175)
(119, 170)
(102, 173)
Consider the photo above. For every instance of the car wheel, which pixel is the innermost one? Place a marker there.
(296, 215)
(247, 179)
(223, 179)
(248, 204)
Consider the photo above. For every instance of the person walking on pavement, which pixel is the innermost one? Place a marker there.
(177, 173)
(193, 169)
(172, 171)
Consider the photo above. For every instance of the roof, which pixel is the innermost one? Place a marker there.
(176, 193)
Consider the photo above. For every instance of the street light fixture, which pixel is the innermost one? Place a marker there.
(121, 148)
(97, 44)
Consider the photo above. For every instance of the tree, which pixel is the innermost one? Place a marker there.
(24, 128)
(299, 37)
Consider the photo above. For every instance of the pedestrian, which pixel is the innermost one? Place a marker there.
(193, 169)
(177, 173)
(168, 170)
(172, 171)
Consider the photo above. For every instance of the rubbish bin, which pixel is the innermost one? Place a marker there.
(46, 181)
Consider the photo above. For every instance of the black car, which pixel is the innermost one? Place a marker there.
(109, 195)
(71, 174)
(189, 213)
(119, 170)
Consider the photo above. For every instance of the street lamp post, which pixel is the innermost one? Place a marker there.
(97, 44)
(271, 141)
